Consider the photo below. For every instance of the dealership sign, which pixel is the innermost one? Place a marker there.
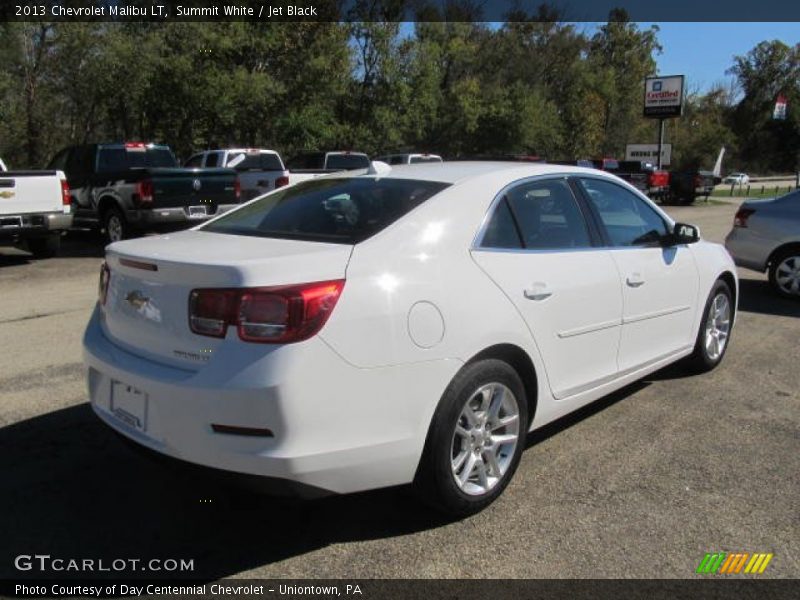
(663, 96)
(649, 153)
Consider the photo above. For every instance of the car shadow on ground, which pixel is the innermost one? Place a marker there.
(757, 296)
(76, 244)
(73, 489)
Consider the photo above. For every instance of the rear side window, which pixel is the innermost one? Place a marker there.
(347, 161)
(627, 219)
(345, 211)
(195, 162)
(212, 159)
(501, 231)
(261, 161)
(121, 159)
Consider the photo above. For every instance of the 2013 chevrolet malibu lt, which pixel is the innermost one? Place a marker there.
(399, 325)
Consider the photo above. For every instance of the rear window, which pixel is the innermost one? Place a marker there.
(345, 211)
(244, 161)
(121, 159)
(347, 161)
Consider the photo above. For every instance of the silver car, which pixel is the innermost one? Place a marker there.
(766, 237)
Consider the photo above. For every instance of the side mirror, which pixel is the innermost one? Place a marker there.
(685, 234)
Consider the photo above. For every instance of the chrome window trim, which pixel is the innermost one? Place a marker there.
(477, 240)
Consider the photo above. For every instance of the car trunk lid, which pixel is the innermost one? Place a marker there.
(147, 304)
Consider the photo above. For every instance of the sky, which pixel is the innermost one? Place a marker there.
(704, 51)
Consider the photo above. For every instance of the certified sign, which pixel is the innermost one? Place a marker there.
(663, 96)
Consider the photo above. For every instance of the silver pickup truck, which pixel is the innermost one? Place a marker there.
(34, 210)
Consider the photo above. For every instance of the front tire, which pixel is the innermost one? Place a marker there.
(784, 273)
(475, 439)
(714, 334)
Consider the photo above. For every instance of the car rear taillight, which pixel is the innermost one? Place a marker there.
(237, 188)
(281, 181)
(145, 191)
(740, 220)
(658, 179)
(102, 285)
(66, 200)
(273, 315)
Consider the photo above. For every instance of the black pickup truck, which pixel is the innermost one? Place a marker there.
(127, 188)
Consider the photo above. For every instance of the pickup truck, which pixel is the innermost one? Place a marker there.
(134, 187)
(686, 186)
(260, 171)
(34, 209)
(644, 176)
(409, 159)
(313, 164)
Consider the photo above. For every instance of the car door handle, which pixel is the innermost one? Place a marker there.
(537, 292)
(634, 280)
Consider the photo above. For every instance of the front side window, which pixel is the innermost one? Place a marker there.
(541, 215)
(628, 220)
(344, 211)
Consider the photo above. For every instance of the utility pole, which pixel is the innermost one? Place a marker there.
(660, 140)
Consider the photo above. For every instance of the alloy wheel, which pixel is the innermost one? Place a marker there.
(114, 228)
(485, 439)
(718, 326)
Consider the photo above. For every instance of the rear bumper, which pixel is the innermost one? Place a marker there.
(175, 215)
(336, 428)
(748, 250)
(33, 225)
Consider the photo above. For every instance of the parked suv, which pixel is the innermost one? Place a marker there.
(132, 187)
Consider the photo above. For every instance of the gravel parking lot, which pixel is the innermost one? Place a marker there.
(641, 484)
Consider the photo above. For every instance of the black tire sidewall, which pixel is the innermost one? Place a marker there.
(114, 211)
(773, 272)
(435, 475)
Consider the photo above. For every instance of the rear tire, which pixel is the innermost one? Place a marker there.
(713, 337)
(115, 226)
(45, 247)
(784, 273)
(475, 439)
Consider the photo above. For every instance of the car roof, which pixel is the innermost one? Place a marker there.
(245, 150)
(460, 171)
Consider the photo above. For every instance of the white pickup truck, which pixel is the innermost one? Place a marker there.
(34, 210)
(260, 171)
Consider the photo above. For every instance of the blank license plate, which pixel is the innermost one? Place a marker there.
(129, 405)
(197, 212)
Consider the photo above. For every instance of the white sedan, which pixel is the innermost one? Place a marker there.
(399, 325)
(737, 179)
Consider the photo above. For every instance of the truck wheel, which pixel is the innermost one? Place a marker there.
(45, 247)
(115, 225)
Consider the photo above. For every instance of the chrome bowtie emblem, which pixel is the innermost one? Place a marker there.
(196, 185)
(137, 299)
